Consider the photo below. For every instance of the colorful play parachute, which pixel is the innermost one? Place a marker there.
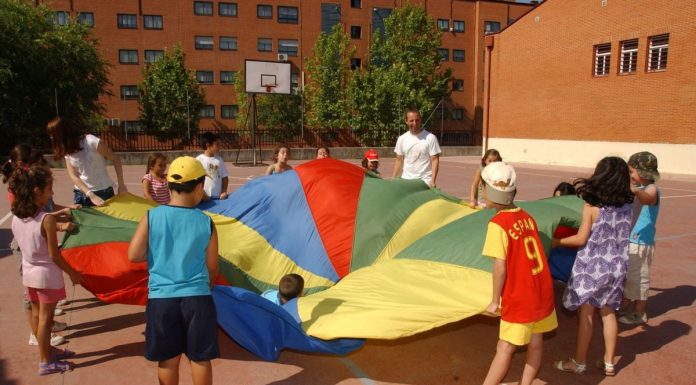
(380, 258)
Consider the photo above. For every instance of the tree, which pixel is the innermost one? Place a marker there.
(404, 71)
(170, 97)
(330, 74)
(41, 63)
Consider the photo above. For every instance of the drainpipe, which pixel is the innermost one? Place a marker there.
(489, 43)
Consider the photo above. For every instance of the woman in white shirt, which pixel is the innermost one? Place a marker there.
(85, 159)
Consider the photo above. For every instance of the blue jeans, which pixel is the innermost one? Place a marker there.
(80, 198)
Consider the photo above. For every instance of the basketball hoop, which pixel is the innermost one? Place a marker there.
(269, 88)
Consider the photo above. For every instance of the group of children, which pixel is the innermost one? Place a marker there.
(610, 273)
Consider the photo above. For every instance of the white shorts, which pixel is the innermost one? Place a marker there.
(640, 258)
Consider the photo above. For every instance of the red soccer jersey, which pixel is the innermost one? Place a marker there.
(528, 290)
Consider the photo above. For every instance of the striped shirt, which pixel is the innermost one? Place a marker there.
(159, 190)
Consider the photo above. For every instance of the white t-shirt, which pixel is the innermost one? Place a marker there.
(215, 167)
(417, 150)
(90, 164)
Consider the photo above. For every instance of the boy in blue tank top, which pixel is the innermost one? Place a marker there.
(180, 246)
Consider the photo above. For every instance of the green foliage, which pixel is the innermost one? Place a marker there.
(404, 71)
(39, 60)
(166, 86)
(329, 68)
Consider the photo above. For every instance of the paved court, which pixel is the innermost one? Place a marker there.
(109, 338)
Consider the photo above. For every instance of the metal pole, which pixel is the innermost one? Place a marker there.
(442, 118)
(253, 126)
(55, 95)
(188, 116)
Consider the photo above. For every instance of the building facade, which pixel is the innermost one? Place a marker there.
(217, 37)
(614, 79)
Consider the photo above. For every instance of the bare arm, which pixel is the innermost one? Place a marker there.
(589, 215)
(49, 231)
(72, 173)
(137, 249)
(435, 159)
(106, 152)
(398, 166)
(223, 191)
(270, 168)
(146, 190)
(211, 257)
(646, 196)
(499, 274)
(473, 195)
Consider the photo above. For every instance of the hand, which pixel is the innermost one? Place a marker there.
(122, 189)
(77, 206)
(555, 242)
(472, 204)
(432, 184)
(493, 308)
(75, 277)
(224, 195)
(95, 199)
(66, 226)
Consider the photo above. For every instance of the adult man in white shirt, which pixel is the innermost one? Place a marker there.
(417, 152)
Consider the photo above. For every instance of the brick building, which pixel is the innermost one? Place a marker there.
(217, 36)
(615, 78)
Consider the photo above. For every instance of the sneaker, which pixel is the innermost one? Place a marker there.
(53, 367)
(58, 326)
(55, 340)
(633, 319)
(58, 312)
(63, 302)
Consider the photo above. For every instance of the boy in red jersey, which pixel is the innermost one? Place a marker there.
(521, 277)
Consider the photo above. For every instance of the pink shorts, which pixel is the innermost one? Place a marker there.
(44, 295)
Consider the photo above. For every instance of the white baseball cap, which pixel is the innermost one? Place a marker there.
(500, 180)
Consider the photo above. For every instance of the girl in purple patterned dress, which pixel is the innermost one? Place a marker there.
(599, 272)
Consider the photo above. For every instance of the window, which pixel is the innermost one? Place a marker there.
(355, 32)
(152, 56)
(602, 59)
(458, 55)
(227, 9)
(356, 3)
(61, 18)
(287, 46)
(228, 77)
(355, 63)
(264, 44)
(288, 15)
(629, 57)
(132, 126)
(457, 85)
(330, 16)
(129, 92)
(153, 22)
(86, 18)
(378, 17)
(207, 112)
(458, 26)
(229, 111)
(205, 77)
(128, 56)
(657, 52)
(264, 11)
(443, 24)
(204, 42)
(126, 21)
(458, 114)
(203, 8)
(443, 53)
(294, 80)
(228, 43)
(491, 26)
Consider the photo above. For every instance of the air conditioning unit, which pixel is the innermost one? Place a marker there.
(115, 122)
(451, 29)
(282, 57)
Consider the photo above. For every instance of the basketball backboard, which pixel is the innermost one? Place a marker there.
(263, 77)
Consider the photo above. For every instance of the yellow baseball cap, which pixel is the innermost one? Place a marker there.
(184, 169)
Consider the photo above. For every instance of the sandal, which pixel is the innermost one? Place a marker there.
(563, 366)
(53, 367)
(606, 367)
(61, 354)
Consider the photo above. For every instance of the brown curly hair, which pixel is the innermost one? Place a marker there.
(22, 184)
(65, 137)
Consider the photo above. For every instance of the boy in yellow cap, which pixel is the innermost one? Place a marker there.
(180, 246)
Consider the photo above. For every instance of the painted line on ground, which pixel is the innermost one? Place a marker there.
(361, 375)
(6, 217)
(680, 196)
(671, 237)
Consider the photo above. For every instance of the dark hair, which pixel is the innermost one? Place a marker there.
(412, 110)
(37, 158)
(277, 150)
(65, 137)
(207, 139)
(290, 286)
(488, 153)
(186, 187)
(152, 159)
(325, 148)
(564, 188)
(609, 185)
(21, 153)
(365, 163)
(22, 184)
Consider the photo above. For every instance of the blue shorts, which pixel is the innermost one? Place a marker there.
(181, 325)
(81, 199)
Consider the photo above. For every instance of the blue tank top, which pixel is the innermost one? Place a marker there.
(643, 232)
(177, 241)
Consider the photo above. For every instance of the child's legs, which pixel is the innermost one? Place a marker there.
(585, 314)
(43, 331)
(533, 359)
(500, 364)
(638, 277)
(609, 328)
(34, 317)
(202, 372)
(168, 371)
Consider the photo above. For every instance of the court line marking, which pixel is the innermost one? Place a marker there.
(679, 196)
(6, 217)
(362, 376)
(671, 237)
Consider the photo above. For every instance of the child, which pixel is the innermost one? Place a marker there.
(155, 181)
(370, 161)
(520, 267)
(477, 186)
(564, 188)
(180, 246)
(280, 161)
(216, 186)
(641, 249)
(42, 263)
(599, 271)
(323, 152)
(290, 286)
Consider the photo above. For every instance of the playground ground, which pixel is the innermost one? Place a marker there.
(109, 338)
